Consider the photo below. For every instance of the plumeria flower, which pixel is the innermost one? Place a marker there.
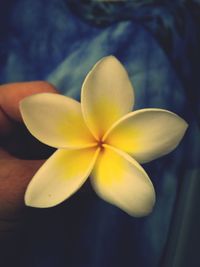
(100, 137)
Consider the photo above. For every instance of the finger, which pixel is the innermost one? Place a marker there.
(14, 178)
(4, 154)
(11, 94)
(5, 123)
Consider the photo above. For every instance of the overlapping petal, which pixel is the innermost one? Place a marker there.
(147, 134)
(60, 176)
(120, 180)
(56, 120)
(107, 95)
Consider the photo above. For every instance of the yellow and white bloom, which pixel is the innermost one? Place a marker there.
(99, 137)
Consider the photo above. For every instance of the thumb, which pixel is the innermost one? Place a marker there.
(10, 96)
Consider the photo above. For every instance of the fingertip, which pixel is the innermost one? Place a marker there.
(11, 94)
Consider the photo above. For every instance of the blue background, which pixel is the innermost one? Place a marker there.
(158, 42)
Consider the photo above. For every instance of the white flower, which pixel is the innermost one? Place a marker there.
(100, 137)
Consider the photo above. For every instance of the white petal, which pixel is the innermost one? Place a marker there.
(147, 134)
(120, 180)
(107, 95)
(60, 176)
(56, 120)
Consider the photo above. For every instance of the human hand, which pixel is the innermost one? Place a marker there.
(20, 154)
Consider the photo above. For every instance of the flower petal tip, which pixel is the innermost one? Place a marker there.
(143, 209)
(109, 59)
(21, 105)
(186, 125)
(28, 201)
(33, 202)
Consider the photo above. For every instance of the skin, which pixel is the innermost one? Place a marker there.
(20, 154)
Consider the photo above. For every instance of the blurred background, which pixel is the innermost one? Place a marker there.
(159, 44)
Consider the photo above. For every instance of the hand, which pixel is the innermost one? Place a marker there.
(20, 154)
